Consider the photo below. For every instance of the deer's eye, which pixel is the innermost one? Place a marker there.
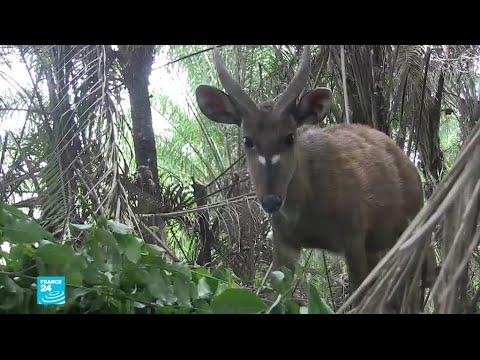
(289, 139)
(248, 142)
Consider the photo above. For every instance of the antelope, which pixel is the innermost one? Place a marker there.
(346, 188)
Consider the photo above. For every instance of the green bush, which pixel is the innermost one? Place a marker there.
(114, 271)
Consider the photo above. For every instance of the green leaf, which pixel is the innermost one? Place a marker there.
(203, 289)
(104, 237)
(133, 250)
(477, 258)
(156, 285)
(81, 226)
(181, 288)
(74, 278)
(20, 257)
(119, 228)
(237, 301)
(101, 220)
(155, 249)
(24, 231)
(12, 211)
(11, 295)
(316, 305)
(281, 282)
(181, 269)
(292, 307)
(193, 290)
(56, 254)
(277, 276)
(171, 310)
(202, 307)
(79, 292)
(200, 272)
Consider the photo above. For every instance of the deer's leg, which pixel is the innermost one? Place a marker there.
(356, 259)
(284, 253)
(373, 259)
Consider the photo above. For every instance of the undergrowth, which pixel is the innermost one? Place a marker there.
(114, 271)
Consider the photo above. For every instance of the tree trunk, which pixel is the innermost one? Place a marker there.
(137, 66)
(429, 145)
(206, 236)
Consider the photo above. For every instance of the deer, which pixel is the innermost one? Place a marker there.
(345, 188)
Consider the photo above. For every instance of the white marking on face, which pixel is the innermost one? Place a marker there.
(262, 160)
(275, 158)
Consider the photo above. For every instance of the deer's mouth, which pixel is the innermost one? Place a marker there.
(271, 203)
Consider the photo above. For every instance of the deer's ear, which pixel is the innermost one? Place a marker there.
(314, 106)
(216, 105)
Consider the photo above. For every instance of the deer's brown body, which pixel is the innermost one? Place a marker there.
(353, 192)
(348, 189)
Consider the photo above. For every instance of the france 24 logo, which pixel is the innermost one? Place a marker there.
(51, 290)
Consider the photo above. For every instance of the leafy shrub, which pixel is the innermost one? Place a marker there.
(114, 271)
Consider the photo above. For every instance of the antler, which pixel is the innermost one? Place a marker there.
(298, 82)
(231, 86)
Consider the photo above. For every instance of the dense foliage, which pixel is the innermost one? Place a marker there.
(116, 272)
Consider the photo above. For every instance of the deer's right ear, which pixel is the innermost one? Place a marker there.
(314, 106)
(216, 105)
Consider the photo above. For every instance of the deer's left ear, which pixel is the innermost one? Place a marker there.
(216, 105)
(314, 106)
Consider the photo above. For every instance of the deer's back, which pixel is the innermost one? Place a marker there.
(356, 171)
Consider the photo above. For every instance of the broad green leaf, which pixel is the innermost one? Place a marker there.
(24, 231)
(316, 305)
(11, 210)
(120, 228)
(281, 281)
(74, 278)
(203, 289)
(11, 295)
(201, 307)
(101, 221)
(153, 255)
(92, 275)
(237, 301)
(193, 290)
(155, 249)
(20, 256)
(277, 276)
(138, 305)
(200, 272)
(213, 283)
(157, 286)
(303, 310)
(79, 292)
(222, 286)
(180, 269)
(104, 237)
(56, 254)
(181, 288)
(292, 307)
(133, 250)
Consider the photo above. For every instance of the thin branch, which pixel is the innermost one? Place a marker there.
(186, 57)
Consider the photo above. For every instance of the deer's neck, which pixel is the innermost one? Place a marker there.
(297, 193)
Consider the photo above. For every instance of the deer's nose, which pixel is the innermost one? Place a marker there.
(271, 203)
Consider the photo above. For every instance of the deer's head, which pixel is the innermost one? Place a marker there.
(268, 129)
